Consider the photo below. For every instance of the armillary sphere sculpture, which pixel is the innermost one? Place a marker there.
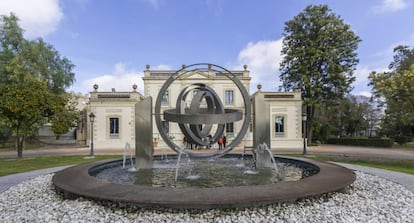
(195, 121)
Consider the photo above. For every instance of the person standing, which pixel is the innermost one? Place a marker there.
(185, 142)
(224, 141)
(220, 142)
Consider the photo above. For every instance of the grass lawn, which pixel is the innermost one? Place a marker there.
(11, 166)
(403, 166)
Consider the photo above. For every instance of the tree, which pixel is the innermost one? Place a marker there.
(372, 116)
(319, 58)
(403, 59)
(33, 80)
(354, 114)
(395, 89)
(66, 119)
(5, 131)
(26, 105)
(350, 116)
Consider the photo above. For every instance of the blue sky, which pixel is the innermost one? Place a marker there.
(111, 41)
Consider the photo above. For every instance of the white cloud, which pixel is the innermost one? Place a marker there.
(37, 17)
(121, 79)
(365, 93)
(361, 79)
(389, 6)
(263, 59)
(161, 67)
(361, 74)
(119, 68)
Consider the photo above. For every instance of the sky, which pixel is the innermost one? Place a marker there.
(111, 41)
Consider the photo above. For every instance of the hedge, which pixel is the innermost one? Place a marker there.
(402, 139)
(371, 142)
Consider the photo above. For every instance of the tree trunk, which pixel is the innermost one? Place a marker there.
(19, 143)
(310, 112)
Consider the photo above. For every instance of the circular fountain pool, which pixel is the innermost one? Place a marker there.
(229, 171)
(79, 181)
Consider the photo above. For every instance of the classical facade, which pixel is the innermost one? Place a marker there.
(224, 88)
(114, 123)
(280, 113)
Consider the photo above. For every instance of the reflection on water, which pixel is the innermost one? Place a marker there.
(202, 173)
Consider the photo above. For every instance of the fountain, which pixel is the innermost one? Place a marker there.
(265, 158)
(177, 168)
(126, 149)
(214, 179)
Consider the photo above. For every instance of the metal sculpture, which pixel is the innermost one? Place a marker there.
(195, 121)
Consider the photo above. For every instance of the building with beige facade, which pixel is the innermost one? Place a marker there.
(224, 88)
(114, 123)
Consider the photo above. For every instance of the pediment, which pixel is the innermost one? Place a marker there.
(196, 75)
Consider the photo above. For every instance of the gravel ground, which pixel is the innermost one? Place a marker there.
(369, 199)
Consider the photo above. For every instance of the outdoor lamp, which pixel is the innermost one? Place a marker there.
(304, 119)
(91, 119)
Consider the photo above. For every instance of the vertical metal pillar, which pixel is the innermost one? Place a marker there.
(144, 150)
(261, 131)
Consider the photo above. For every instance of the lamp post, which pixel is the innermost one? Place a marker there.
(304, 119)
(91, 119)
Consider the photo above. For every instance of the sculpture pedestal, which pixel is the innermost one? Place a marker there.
(144, 150)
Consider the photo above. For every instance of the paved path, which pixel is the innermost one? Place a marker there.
(10, 180)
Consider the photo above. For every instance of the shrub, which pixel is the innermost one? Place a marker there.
(5, 133)
(401, 140)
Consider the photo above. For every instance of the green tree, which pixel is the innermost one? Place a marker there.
(5, 131)
(319, 58)
(33, 80)
(26, 105)
(353, 115)
(66, 119)
(350, 116)
(395, 90)
(403, 59)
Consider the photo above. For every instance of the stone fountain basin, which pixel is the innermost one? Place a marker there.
(76, 181)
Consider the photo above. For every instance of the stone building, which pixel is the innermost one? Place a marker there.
(224, 87)
(114, 123)
(280, 114)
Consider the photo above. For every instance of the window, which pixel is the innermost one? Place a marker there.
(279, 126)
(230, 128)
(166, 126)
(229, 97)
(114, 128)
(165, 99)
